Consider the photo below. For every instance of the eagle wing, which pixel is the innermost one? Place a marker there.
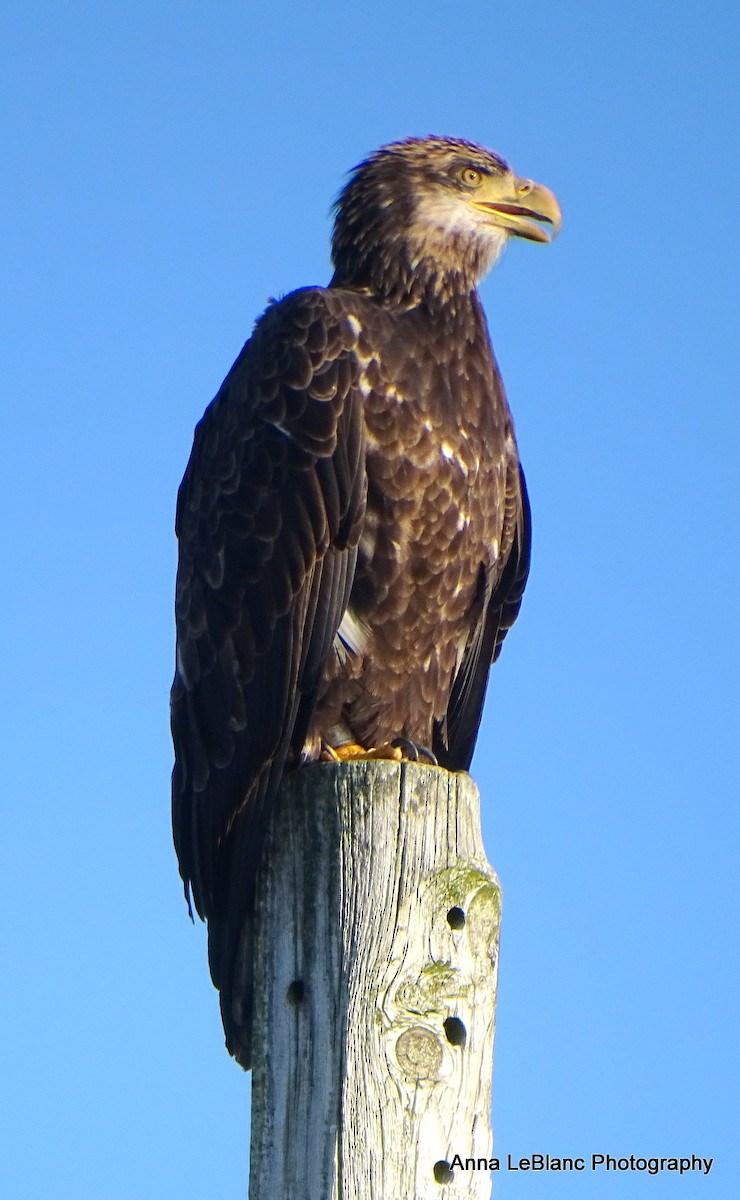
(501, 598)
(268, 519)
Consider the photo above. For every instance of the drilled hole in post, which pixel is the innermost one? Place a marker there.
(443, 1172)
(456, 918)
(455, 1031)
(295, 992)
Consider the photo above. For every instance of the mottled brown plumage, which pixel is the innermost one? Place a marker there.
(353, 522)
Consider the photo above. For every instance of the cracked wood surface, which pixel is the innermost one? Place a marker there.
(375, 988)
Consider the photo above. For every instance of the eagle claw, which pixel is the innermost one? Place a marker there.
(413, 752)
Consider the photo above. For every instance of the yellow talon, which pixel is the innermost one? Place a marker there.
(328, 754)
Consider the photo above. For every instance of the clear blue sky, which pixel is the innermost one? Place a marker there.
(166, 168)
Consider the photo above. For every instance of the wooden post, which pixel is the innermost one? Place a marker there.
(375, 988)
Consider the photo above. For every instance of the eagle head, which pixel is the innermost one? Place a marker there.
(431, 215)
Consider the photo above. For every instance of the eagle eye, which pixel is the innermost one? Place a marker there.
(470, 177)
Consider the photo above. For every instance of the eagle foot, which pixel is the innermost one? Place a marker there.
(354, 752)
(401, 749)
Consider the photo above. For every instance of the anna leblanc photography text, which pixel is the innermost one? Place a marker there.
(593, 1162)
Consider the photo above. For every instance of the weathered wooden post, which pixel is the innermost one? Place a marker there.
(375, 988)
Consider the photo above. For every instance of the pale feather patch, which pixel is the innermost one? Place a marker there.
(462, 646)
(364, 359)
(285, 432)
(452, 455)
(181, 667)
(365, 386)
(442, 215)
(353, 632)
(369, 536)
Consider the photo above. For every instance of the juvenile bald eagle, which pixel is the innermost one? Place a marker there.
(353, 523)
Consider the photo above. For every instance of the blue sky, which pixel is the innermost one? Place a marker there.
(166, 169)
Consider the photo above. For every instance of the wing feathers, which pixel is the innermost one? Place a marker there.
(454, 742)
(269, 514)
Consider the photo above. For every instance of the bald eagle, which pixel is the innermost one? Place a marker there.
(353, 524)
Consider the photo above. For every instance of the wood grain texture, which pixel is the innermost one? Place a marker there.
(375, 987)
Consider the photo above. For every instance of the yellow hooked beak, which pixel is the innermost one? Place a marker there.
(523, 208)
